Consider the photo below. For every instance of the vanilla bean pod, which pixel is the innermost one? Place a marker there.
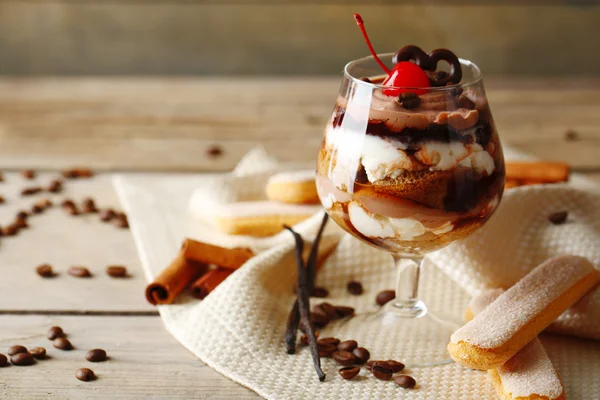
(311, 271)
(304, 304)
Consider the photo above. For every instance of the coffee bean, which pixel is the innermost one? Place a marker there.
(349, 372)
(10, 230)
(319, 292)
(85, 374)
(89, 206)
(385, 297)
(304, 338)
(571, 135)
(558, 218)
(326, 350)
(28, 174)
(22, 215)
(343, 311)
(45, 271)
(392, 365)
(67, 203)
(355, 288)
(116, 271)
(409, 100)
(44, 203)
(62, 343)
(369, 364)
(405, 381)
(329, 310)
(79, 272)
(2, 200)
(16, 349)
(55, 332)
(20, 224)
(30, 191)
(38, 352)
(107, 215)
(22, 359)
(214, 151)
(318, 317)
(3, 360)
(55, 186)
(36, 209)
(1, 177)
(71, 210)
(329, 340)
(75, 173)
(381, 373)
(95, 355)
(344, 358)
(121, 221)
(348, 345)
(362, 354)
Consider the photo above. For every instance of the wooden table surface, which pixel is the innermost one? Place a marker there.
(155, 124)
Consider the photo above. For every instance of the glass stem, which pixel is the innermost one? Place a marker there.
(407, 303)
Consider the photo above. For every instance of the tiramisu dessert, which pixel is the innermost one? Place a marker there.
(410, 160)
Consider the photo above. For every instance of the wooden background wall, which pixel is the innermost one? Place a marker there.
(289, 36)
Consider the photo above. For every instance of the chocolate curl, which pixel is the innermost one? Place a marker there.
(209, 254)
(311, 265)
(537, 172)
(173, 280)
(304, 304)
(204, 285)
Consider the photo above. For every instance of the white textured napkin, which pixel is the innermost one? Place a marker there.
(238, 329)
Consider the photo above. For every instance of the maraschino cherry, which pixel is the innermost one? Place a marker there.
(405, 73)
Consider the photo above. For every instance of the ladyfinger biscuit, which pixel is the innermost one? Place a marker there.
(529, 374)
(260, 218)
(518, 315)
(293, 187)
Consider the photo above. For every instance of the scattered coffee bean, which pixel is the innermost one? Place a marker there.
(392, 365)
(45, 271)
(30, 191)
(28, 174)
(329, 340)
(55, 332)
(214, 151)
(558, 218)
(67, 203)
(85, 374)
(79, 272)
(385, 297)
(344, 358)
(3, 360)
(22, 215)
(121, 221)
(22, 359)
(2, 200)
(75, 173)
(116, 271)
(343, 311)
(405, 381)
(9, 230)
(36, 209)
(409, 100)
(95, 355)
(107, 215)
(1, 177)
(355, 288)
(380, 372)
(55, 186)
(304, 338)
(348, 345)
(326, 350)
(20, 224)
(349, 372)
(44, 203)
(571, 135)
(369, 364)
(74, 211)
(319, 292)
(62, 343)
(38, 352)
(16, 349)
(362, 355)
(318, 317)
(89, 206)
(329, 310)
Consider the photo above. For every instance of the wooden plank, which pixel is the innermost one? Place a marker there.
(64, 241)
(208, 37)
(145, 362)
(169, 123)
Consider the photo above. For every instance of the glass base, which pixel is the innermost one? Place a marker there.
(411, 335)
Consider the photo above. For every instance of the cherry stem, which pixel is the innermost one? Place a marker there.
(361, 25)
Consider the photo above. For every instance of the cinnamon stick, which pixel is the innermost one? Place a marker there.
(174, 279)
(204, 285)
(538, 172)
(229, 258)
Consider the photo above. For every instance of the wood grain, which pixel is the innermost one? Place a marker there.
(168, 124)
(64, 241)
(145, 362)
